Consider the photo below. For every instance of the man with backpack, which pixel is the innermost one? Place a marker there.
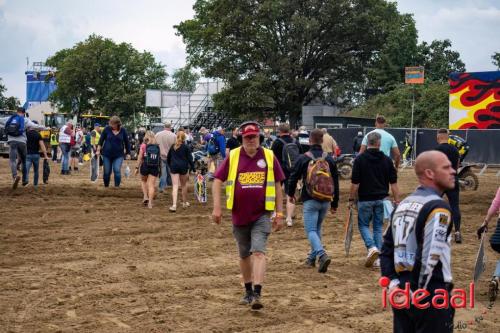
(15, 128)
(287, 151)
(372, 173)
(319, 173)
(216, 148)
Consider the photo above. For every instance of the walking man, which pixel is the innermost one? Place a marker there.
(372, 173)
(65, 134)
(253, 179)
(34, 144)
(388, 144)
(417, 248)
(54, 143)
(329, 144)
(287, 150)
(95, 136)
(15, 128)
(319, 193)
(166, 139)
(216, 148)
(357, 142)
(232, 142)
(454, 194)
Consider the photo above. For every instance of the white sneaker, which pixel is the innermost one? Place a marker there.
(289, 222)
(373, 254)
(376, 263)
(185, 204)
(173, 209)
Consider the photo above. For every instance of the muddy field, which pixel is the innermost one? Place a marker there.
(76, 257)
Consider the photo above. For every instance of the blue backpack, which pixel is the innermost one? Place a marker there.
(213, 145)
(15, 125)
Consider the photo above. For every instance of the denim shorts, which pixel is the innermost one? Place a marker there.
(253, 237)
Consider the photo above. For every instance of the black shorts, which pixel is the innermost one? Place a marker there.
(147, 170)
(75, 152)
(179, 171)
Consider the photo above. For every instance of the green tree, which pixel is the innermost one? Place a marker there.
(399, 51)
(439, 60)
(98, 75)
(284, 52)
(496, 59)
(9, 103)
(185, 79)
(12, 103)
(431, 105)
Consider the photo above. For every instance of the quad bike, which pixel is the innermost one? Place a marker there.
(344, 165)
(467, 178)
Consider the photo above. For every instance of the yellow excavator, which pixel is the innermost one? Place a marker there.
(89, 120)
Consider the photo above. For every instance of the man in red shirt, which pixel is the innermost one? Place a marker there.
(253, 179)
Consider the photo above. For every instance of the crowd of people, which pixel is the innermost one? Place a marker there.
(262, 173)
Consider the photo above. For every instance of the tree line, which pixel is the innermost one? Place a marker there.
(274, 56)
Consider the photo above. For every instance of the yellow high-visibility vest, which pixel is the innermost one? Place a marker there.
(53, 140)
(234, 159)
(94, 140)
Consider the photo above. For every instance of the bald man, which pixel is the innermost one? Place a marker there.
(416, 249)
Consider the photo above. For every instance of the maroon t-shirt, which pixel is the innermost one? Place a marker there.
(250, 187)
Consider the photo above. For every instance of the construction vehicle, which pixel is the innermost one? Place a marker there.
(89, 120)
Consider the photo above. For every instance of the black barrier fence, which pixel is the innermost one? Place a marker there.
(484, 144)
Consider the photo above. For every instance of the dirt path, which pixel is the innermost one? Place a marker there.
(75, 257)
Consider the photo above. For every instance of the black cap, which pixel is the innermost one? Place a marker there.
(21, 109)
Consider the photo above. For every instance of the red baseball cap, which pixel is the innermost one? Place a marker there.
(250, 129)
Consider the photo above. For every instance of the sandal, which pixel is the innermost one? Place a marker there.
(145, 202)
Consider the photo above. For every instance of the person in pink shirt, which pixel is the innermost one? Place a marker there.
(148, 165)
(253, 179)
(494, 210)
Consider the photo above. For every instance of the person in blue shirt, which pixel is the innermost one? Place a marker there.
(115, 147)
(388, 144)
(220, 153)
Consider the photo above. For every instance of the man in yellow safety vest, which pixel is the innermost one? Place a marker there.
(95, 135)
(54, 143)
(253, 179)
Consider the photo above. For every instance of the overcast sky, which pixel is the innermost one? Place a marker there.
(38, 29)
